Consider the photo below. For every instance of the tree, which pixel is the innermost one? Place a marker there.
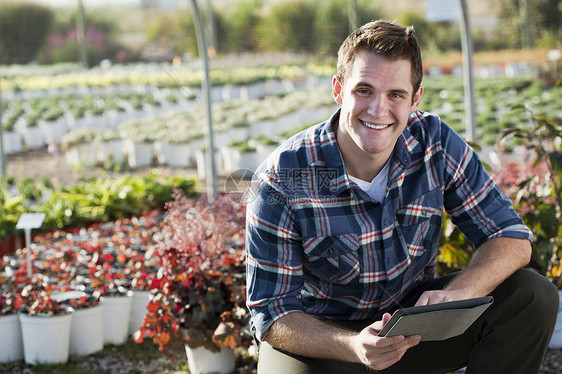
(544, 24)
(62, 43)
(23, 30)
(289, 26)
(332, 26)
(241, 23)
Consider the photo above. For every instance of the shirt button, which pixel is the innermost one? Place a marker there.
(388, 260)
(331, 251)
(424, 212)
(384, 221)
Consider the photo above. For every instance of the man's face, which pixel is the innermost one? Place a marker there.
(376, 100)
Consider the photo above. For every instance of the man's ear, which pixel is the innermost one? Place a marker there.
(416, 100)
(337, 89)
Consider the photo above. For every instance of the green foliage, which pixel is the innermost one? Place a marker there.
(332, 26)
(545, 21)
(432, 36)
(241, 22)
(454, 250)
(164, 29)
(90, 200)
(11, 207)
(289, 26)
(23, 30)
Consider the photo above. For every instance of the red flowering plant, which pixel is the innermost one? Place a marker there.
(35, 299)
(76, 297)
(198, 296)
(536, 185)
(7, 299)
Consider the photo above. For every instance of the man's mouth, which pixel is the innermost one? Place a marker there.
(374, 126)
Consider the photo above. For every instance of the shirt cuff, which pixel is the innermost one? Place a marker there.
(263, 317)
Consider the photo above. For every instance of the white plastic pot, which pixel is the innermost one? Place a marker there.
(202, 361)
(11, 345)
(138, 310)
(116, 315)
(86, 335)
(46, 339)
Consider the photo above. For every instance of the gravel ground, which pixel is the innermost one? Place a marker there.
(133, 358)
(130, 358)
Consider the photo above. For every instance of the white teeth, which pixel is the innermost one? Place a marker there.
(374, 127)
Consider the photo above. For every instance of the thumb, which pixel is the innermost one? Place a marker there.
(377, 326)
(385, 318)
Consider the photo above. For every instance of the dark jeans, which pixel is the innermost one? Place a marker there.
(510, 337)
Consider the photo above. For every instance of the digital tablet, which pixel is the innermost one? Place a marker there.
(437, 321)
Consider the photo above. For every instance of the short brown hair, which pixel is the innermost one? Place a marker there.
(387, 39)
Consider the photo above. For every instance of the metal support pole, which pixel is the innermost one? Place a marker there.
(81, 34)
(2, 160)
(352, 15)
(212, 43)
(526, 23)
(466, 44)
(210, 173)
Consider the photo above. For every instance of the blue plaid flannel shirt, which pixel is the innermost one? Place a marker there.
(317, 243)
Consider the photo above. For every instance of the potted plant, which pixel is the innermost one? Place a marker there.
(12, 140)
(11, 346)
(79, 146)
(32, 134)
(45, 324)
(117, 299)
(240, 155)
(198, 297)
(110, 147)
(138, 143)
(86, 333)
(140, 269)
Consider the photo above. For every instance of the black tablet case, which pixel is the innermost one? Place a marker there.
(437, 321)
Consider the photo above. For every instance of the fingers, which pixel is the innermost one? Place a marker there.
(434, 297)
(388, 351)
(382, 352)
(440, 296)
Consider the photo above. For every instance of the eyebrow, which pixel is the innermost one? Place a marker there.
(392, 90)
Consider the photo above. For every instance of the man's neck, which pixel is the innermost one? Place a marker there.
(366, 171)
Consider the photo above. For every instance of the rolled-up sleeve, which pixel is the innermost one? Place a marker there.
(274, 257)
(476, 204)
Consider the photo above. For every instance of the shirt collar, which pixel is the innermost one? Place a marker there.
(332, 155)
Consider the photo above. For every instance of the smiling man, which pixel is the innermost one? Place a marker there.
(345, 224)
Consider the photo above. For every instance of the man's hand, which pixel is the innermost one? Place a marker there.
(379, 352)
(440, 296)
(491, 264)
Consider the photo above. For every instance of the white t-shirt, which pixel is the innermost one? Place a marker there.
(377, 187)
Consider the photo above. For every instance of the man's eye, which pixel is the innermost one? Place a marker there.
(395, 95)
(363, 91)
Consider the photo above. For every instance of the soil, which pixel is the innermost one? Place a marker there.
(133, 358)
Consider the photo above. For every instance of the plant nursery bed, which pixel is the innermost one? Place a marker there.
(42, 162)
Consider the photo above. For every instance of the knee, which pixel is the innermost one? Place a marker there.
(537, 292)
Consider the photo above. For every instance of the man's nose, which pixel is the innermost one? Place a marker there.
(378, 106)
